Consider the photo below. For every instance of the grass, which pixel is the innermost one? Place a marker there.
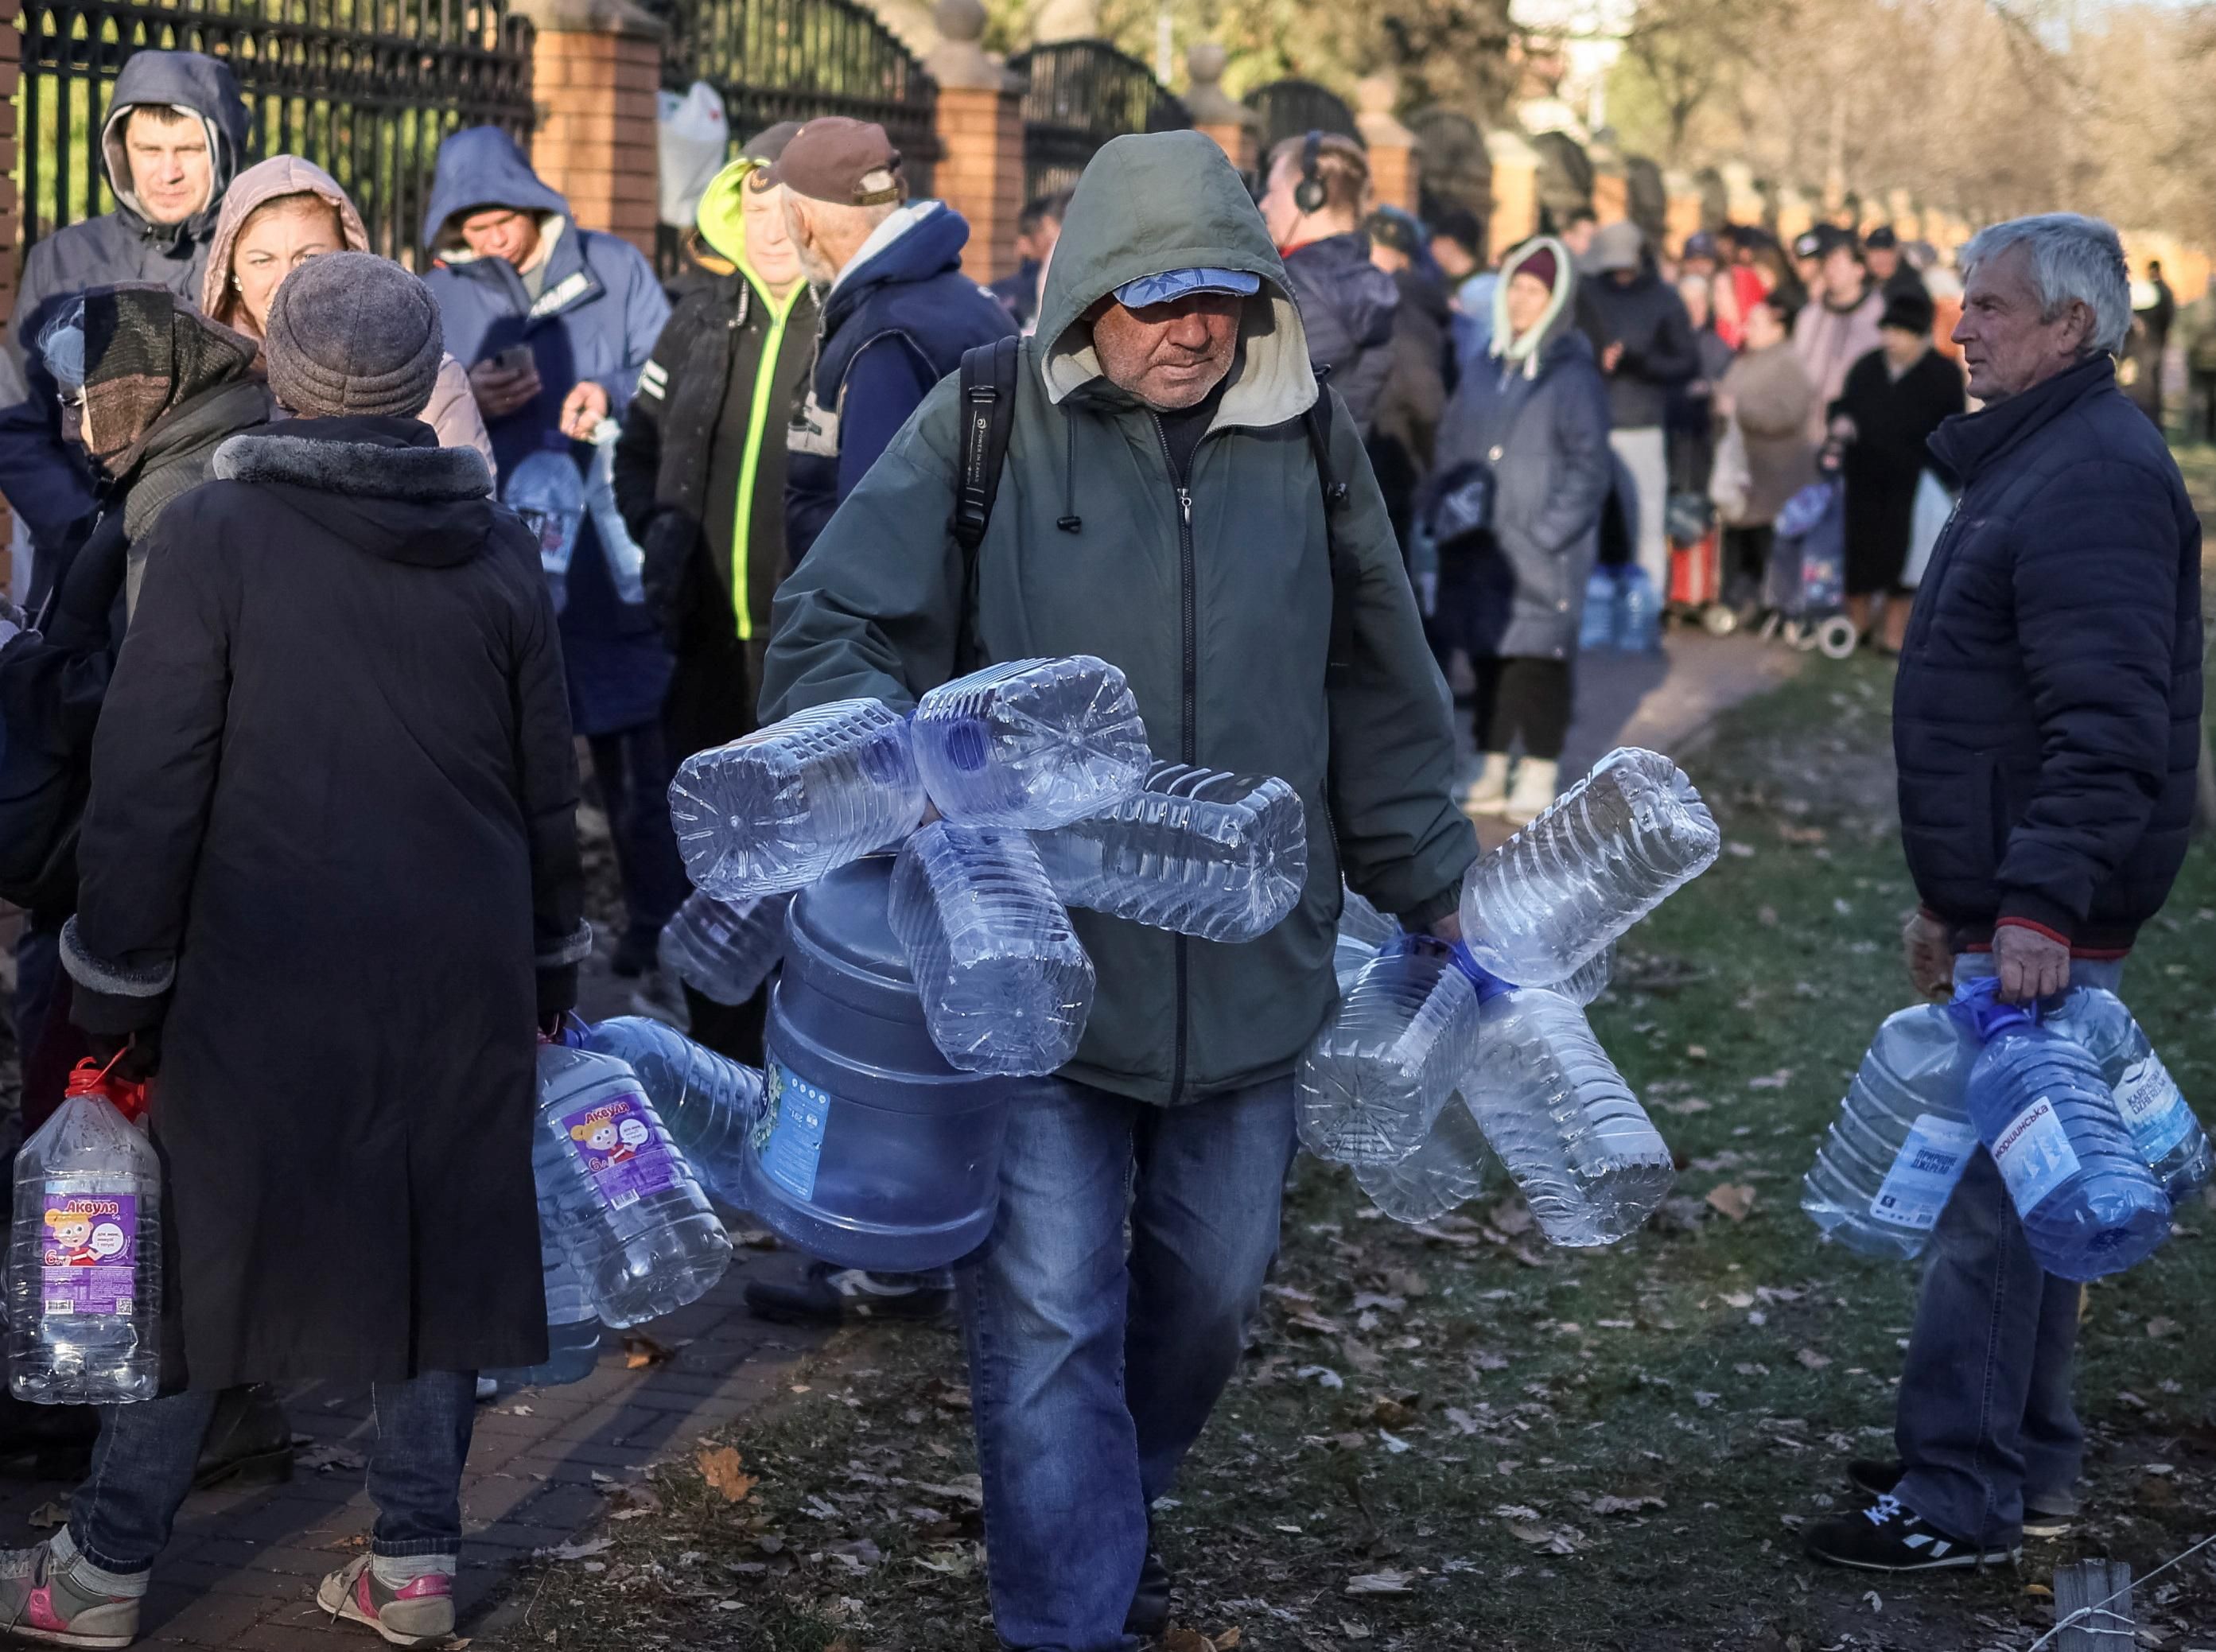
(1517, 1447)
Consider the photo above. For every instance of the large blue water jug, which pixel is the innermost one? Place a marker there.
(1637, 618)
(871, 1152)
(1596, 627)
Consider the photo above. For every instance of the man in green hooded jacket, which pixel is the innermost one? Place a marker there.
(1160, 506)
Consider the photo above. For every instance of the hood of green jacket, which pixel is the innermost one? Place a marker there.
(723, 220)
(1151, 202)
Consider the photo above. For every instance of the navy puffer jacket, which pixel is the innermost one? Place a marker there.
(2047, 716)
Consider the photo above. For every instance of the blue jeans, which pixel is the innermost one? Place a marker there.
(633, 771)
(1092, 1364)
(1984, 1425)
(142, 1467)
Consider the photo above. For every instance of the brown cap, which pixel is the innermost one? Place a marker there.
(847, 162)
(769, 142)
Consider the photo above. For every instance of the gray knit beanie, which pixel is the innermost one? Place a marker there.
(352, 333)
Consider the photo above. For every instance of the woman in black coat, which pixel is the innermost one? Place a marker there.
(1894, 397)
(331, 858)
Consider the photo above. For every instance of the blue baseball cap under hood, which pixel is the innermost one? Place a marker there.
(1173, 284)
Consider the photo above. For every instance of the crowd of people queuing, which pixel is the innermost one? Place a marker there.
(292, 720)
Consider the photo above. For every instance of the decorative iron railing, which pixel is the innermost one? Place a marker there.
(1292, 108)
(366, 88)
(1077, 95)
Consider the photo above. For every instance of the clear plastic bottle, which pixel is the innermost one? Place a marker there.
(84, 1269)
(1363, 932)
(1902, 1138)
(633, 1218)
(1035, 743)
(1005, 987)
(626, 561)
(1373, 1082)
(724, 949)
(1194, 850)
(1446, 1171)
(1601, 857)
(773, 811)
(1591, 979)
(548, 496)
(706, 1101)
(2168, 1137)
(573, 1317)
(1638, 617)
(2089, 1204)
(1591, 1163)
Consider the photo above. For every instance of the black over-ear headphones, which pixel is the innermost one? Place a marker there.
(1309, 194)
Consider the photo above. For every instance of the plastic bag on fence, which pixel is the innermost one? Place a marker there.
(694, 137)
(1934, 504)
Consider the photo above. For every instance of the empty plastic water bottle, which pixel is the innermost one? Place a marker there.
(1035, 743)
(2168, 1137)
(548, 496)
(626, 561)
(1892, 1156)
(773, 811)
(1638, 617)
(1447, 1171)
(1363, 932)
(1591, 979)
(1589, 1162)
(724, 949)
(1597, 628)
(1373, 1082)
(634, 1220)
(706, 1101)
(1194, 850)
(573, 1317)
(1599, 859)
(2089, 1204)
(1005, 987)
(84, 1268)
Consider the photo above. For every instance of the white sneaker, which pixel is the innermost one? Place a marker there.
(1534, 790)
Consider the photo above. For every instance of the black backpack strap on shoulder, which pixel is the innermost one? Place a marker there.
(988, 421)
(1344, 573)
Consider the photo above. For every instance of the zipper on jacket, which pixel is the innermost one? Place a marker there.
(1188, 734)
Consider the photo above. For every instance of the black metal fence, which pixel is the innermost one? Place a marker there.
(1292, 108)
(1077, 95)
(775, 60)
(366, 88)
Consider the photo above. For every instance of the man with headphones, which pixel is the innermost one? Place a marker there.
(1317, 189)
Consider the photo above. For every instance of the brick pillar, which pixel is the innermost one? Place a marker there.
(1392, 166)
(1684, 212)
(1611, 187)
(1515, 216)
(11, 46)
(594, 73)
(1216, 114)
(1795, 213)
(980, 172)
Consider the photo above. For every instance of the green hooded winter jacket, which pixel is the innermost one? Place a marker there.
(1218, 611)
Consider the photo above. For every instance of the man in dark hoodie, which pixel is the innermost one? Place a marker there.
(1318, 187)
(1414, 396)
(898, 312)
(177, 127)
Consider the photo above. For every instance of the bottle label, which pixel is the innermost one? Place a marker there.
(623, 1150)
(2153, 1110)
(1923, 1177)
(2034, 1156)
(789, 1140)
(90, 1254)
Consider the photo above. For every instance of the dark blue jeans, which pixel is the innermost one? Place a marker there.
(142, 1467)
(1094, 1363)
(633, 771)
(1984, 1423)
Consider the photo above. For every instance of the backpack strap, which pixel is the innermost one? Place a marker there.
(988, 421)
(1345, 575)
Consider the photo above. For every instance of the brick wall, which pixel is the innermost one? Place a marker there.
(980, 173)
(594, 77)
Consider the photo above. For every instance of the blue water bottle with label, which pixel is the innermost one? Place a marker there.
(872, 1151)
(2089, 1204)
(2168, 1138)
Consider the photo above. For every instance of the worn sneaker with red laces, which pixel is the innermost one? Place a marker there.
(420, 1613)
(46, 1597)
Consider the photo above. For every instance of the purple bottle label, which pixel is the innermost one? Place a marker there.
(623, 1150)
(90, 1263)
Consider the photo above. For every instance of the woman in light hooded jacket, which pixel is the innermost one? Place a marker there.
(275, 214)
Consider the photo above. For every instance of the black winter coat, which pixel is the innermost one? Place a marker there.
(1414, 397)
(332, 826)
(1894, 419)
(1648, 317)
(2047, 716)
(1347, 305)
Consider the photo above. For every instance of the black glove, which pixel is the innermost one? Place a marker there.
(141, 1051)
(671, 538)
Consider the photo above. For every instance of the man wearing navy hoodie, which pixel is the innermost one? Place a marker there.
(898, 311)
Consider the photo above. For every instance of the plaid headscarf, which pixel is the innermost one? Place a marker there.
(140, 352)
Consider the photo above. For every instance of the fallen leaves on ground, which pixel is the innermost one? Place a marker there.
(641, 1351)
(723, 1471)
(1734, 1199)
(1386, 1582)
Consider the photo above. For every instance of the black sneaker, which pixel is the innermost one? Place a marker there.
(1150, 1607)
(1873, 1478)
(1887, 1537)
(830, 1295)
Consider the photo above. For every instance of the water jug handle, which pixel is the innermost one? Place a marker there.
(1978, 1007)
(1489, 986)
(128, 1096)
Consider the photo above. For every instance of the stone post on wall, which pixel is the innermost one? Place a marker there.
(1743, 198)
(1683, 217)
(980, 172)
(1611, 188)
(1216, 114)
(1391, 146)
(1515, 191)
(594, 73)
(1796, 214)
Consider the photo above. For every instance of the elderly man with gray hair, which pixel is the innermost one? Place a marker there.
(2047, 723)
